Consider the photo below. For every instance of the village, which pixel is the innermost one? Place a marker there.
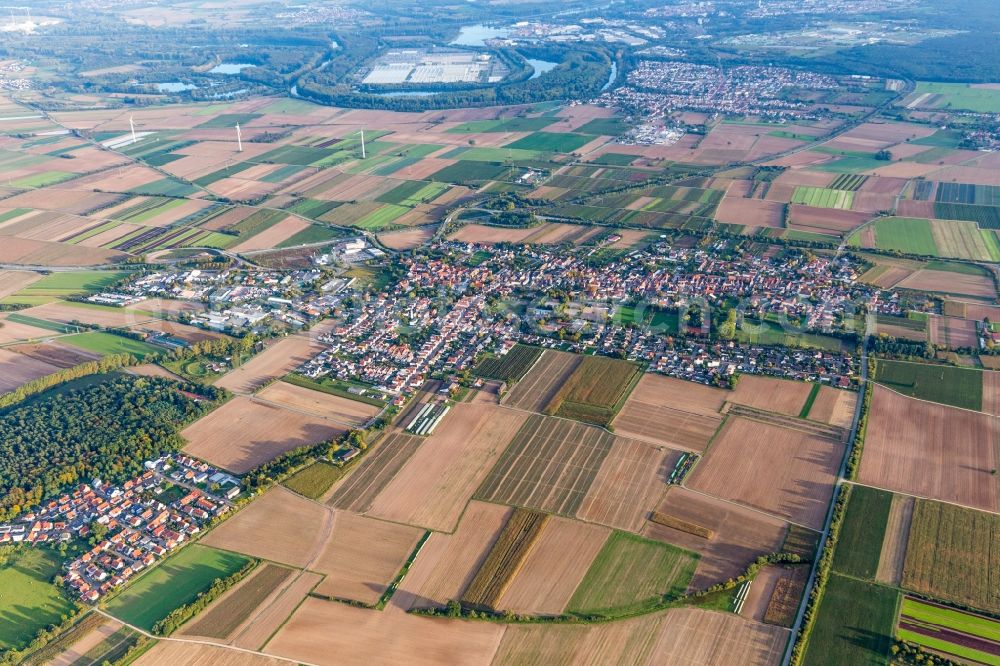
(129, 527)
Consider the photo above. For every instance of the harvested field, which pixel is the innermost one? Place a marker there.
(897, 535)
(14, 281)
(781, 396)
(550, 232)
(226, 614)
(171, 653)
(751, 212)
(505, 558)
(785, 472)
(550, 465)
(276, 361)
(825, 220)
(377, 469)
(244, 433)
(12, 331)
(630, 482)
(65, 312)
(342, 410)
(273, 235)
(979, 286)
(952, 555)
(16, 369)
(408, 239)
(448, 562)
(273, 613)
(834, 406)
(554, 568)
(648, 414)
(89, 639)
(739, 535)
(762, 589)
(432, 489)
(55, 354)
(280, 526)
(991, 392)
(311, 636)
(28, 252)
(953, 332)
(785, 597)
(538, 387)
(363, 556)
(930, 450)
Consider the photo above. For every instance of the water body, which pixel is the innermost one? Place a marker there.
(541, 66)
(407, 93)
(230, 68)
(611, 77)
(175, 87)
(476, 35)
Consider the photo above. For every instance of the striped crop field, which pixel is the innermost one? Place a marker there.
(950, 631)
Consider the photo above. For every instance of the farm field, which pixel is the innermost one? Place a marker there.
(266, 622)
(350, 413)
(28, 599)
(983, 99)
(168, 653)
(432, 489)
(855, 623)
(550, 465)
(649, 413)
(833, 406)
(244, 432)
(791, 474)
(511, 366)
(738, 534)
(373, 474)
(173, 583)
(929, 450)
(947, 630)
(821, 197)
(226, 614)
(944, 384)
(504, 559)
(108, 343)
(631, 570)
(948, 551)
(315, 480)
(537, 388)
(276, 361)
(781, 396)
(595, 391)
(16, 369)
(859, 548)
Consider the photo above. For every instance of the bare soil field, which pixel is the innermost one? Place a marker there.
(968, 174)
(825, 220)
(408, 239)
(17, 369)
(785, 472)
(750, 212)
(629, 238)
(897, 533)
(629, 484)
(14, 281)
(435, 485)
(273, 612)
(951, 283)
(550, 232)
(781, 396)
(545, 378)
(360, 488)
(312, 635)
(953, 332)
(363, 556)
(834, 406)
(660, 391)
(931, 450)
(244, 433)
(677, 637)
(739, 534)
(55, 354)
(555, 566)
(236, 606)
(274, 235)
(761, 590)
(343, 410)
(65, 312)
(991, 392)
(448, 562)
(279, 526)
(171, 653)
(87, 642)
(15, 250)
(276, 361)
(646, 415)
(189, 334)
(12, 331)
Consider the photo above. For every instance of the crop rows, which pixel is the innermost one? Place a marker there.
(511, 366)
(987, 217)
(822, 197)
(954, 632)
(849, 182)
(505, 558)
(596, 390)
(359, 490)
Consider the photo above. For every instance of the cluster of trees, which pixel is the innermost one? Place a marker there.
(903, 349)
(104, 430)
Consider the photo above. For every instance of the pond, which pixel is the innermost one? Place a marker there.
(230, 67)
(175, 87)
(541, 66)
(476, 35)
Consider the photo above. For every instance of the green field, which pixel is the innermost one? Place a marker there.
(905, 234)
(823, 197)
(631, 570)
(177, 581)
(505, 154)
(228, 120)
(503, 125)
(167, 187)
(604, 127)
(413, 192)
(948, 385)
(854, 624)
(552, 142)
(29, 601)
(314, 480)
(44, 179)
(109, 343)
(860, 545)
(933, 618)
(381, 218)
(54, 326)
(959, 96)
(850, 164)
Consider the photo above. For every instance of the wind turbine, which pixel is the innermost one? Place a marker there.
(363, 155)
(132, 125)
(239, 137)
